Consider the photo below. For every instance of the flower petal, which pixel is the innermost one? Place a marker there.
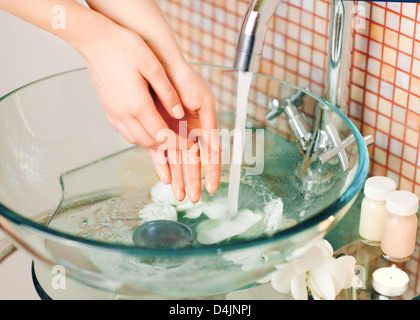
(310, 260)
(163, 193)
(322, 284)
(348, 265)
(193, 213)
(326, 247)
(213, 231)
(281, 279)
(215, 209)
(298, 287)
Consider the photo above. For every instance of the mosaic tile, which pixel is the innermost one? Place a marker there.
(385, 79)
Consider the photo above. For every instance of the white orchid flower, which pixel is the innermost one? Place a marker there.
(317, 271)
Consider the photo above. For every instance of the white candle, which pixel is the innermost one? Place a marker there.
(390, 281)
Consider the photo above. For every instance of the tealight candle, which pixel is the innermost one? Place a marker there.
(390, 281)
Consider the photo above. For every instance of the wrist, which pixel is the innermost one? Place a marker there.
(89, 29)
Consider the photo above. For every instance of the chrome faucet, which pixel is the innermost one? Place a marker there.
(248, 58)
(252, 35)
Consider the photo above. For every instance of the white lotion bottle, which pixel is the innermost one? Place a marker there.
(373, 210)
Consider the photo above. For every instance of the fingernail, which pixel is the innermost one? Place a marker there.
(178, 111)
(194, 196)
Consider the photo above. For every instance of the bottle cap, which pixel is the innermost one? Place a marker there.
(377, 188)
(402, 203)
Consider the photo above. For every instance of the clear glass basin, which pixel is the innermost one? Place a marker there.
(73, 190)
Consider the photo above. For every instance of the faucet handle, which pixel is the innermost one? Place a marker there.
(277, 107)
(340, 146)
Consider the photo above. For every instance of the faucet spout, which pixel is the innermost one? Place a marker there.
(251, 41)
(252, 34)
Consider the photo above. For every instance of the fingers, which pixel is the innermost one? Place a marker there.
(210, 145)
(192, 172)
(177, 182)
(161, 165)
(155, 74)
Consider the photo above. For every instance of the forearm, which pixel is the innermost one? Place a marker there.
(146, 19)
(67, 19)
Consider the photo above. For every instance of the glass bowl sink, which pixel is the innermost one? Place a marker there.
(73, 192)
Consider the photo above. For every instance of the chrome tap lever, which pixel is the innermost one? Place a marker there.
(277, 107)
(339, 146)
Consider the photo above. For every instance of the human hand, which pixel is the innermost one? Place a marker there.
(141, 101)
(121, 67)
(199, 122)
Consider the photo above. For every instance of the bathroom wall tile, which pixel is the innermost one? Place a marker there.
(415, 85)
(307, 20)
(402, 80)
(417, 34)
(400, 97)
(414, 103)
(383, 123)
(405, 44)
(413, 120)
(305, 53)
(387, 72)
(378, 14)
(391, 38)
(404, 62)
(372, 83)
(392, 20)
(397, 130)
(375, 49)
(376, 32)
(381, 140)
(416, 68)
(378, 170)
(410, 154)
(385, 77)
(412, 137)
(398, 114)
(394, 176)
(385, 107)
(358, 77)
(361, 43)
(416, 50)
(409, 10)
(386, 90)
(380, 156)
(394, 163)
(406, 184)
(293, 14)
(356, 93)
(407, 26)
(395, 147)
(359, 60)
(370, 117)
(394, 6)
(371, 100)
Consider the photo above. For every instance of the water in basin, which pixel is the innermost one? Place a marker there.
(108, 199)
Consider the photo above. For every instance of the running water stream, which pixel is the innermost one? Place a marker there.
(244, 84)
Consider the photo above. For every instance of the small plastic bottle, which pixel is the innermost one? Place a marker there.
(373, 211)
(400, 228)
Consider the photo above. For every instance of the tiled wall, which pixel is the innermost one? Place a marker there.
(385, 75)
